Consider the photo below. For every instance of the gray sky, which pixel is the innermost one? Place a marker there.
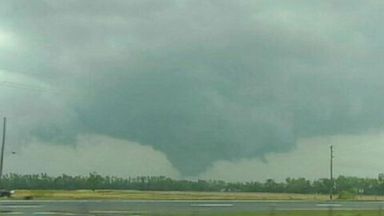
(216, 89)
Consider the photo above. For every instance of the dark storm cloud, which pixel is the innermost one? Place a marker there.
(203, 80)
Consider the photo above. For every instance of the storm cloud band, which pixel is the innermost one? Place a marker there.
(201, 81)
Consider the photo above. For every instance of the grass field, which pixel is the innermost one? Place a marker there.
(161, 195)
(298, 213)
(157, 195)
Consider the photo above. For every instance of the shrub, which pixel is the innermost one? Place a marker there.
(346, 195)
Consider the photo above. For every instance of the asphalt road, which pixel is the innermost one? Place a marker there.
(91, 207)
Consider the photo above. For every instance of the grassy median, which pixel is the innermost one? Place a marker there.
(156, 195)
(295, 213)
(166, 195)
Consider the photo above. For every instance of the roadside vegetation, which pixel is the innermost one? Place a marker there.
(292, 213)
(173, 195)
(158, 195)
(93, 185)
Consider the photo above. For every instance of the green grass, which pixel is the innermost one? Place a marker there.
(312, 213)
(168, 195)
(290, 213)
(157, 195)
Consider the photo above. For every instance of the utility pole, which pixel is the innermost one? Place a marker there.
(2, 147)
(331, 174)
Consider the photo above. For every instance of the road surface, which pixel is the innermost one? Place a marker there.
(129, 207)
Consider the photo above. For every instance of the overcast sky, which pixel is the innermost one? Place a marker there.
(236, 90)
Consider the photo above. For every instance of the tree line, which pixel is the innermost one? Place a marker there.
(94, 181)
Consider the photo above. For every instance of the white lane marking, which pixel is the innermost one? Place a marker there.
(53, 213)
(114, 212)
(21, 206)
(328, 205)
(213, 205)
